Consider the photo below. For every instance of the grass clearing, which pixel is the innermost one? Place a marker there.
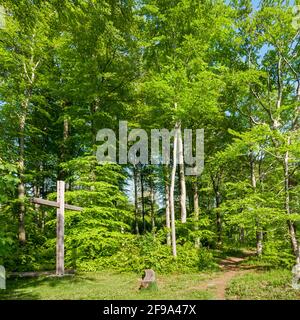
(255, 284)
(106, 286)
(267, 285)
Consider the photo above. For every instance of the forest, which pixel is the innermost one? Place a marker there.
(232, 68)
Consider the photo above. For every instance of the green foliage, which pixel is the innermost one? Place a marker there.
(277, 254)
(105, 223)
(8, 180)
(192, 230)
(147, 252)
(6, 251)
(69, 68)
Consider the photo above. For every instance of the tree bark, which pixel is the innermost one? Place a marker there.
(167, 203)
(93, 110)
(172, 187)
(65, 139)
(219, 220)
(143, 200)
(291, 226)
(21, 168)
(259, 243)
(259, 233)
(181, 177)
(216, 187)
(136, 207)
(30, 79)
(196, 212)
(152, 200)
(64, 148)
(37, 194)
(242, 235)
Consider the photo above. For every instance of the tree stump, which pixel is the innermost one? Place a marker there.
(149, 280)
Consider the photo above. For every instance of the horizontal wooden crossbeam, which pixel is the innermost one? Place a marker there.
(54, 204)
(37, 274)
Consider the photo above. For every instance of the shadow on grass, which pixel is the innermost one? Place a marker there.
(16, 290)
(23, 288)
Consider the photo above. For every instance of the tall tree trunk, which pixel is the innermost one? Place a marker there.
(167, 203)
(216, 187)
(242, 235)
(172, 187)
(152, 200)
(181, 176)
(38, 218)
(93, 110)
(66, 132)
(64, 149)
(219, 220)
(43, 194)
(143, 200)
(196, 212)
(259, 243)
(65, 141)
(30, 79)
(136, 207)
(21, 168)
(259, 233)
(291, 226)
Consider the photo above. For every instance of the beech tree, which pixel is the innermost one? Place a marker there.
(71, 68)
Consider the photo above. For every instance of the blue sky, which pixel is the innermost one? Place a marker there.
(257, 2)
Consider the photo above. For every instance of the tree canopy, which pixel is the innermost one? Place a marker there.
(70, 68)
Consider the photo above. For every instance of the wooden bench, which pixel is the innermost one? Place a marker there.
(149, 278)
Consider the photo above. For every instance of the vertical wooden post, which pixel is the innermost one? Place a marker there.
(60, 228)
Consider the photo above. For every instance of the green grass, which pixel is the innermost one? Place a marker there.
(270, 285)
(255, 285)
(105, 286)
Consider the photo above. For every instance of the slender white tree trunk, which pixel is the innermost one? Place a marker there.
(143, 200)
(37, 194)
(21, 168)
(196, 211)
(259, 233)
(152, 206)
(64, 148)
(30, 79)
(167, 202)
(172, 187)
(181, 176)
(136, 208)
(291, 226)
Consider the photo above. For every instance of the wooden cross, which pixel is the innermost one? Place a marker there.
(60, 226)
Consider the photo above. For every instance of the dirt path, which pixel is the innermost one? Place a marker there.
(230, 268)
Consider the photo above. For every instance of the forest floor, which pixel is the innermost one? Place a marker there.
(236, 280)
(230, 268)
